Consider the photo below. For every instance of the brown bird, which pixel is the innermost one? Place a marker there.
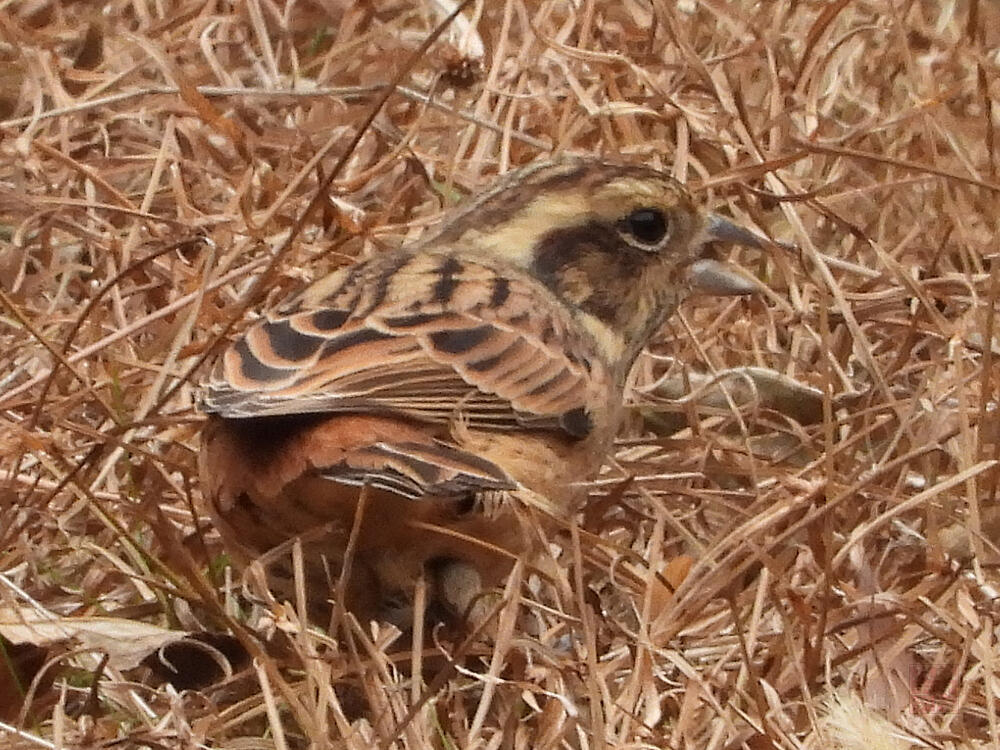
(446, 375)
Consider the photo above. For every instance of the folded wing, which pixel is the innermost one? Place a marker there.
(430, 338)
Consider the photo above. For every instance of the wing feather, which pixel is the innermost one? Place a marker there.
(414, 470)
(429, 336)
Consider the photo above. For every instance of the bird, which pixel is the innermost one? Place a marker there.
(390, 414)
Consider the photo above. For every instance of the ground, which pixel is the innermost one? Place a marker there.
(803, 558)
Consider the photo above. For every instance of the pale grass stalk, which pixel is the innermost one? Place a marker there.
(504, 636)
(141, 323)
(273, 718)
(26, 736)
(860, 532)
(151, 395)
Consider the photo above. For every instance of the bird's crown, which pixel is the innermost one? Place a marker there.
(630, 207)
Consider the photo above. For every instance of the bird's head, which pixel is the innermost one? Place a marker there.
(621, 245)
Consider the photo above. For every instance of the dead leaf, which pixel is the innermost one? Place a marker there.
(126, 642)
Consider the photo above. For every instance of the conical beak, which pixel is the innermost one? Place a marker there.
(709, 276)
(713, 277)
(723, 230)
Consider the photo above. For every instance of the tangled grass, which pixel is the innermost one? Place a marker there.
(795, 544)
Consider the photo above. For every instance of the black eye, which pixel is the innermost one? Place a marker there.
(648, 225)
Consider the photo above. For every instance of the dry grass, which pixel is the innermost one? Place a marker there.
(755, 572)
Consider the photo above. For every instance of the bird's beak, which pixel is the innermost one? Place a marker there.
(709, 276)
(723, 230)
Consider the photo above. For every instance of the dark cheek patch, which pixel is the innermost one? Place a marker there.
(557, 250)
(591, 268)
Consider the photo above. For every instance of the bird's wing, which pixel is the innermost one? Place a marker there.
(416, 469)
(430, 337)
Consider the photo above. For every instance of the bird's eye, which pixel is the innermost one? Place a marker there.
(648, 225)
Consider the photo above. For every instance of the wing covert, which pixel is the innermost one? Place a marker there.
(428, 336)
